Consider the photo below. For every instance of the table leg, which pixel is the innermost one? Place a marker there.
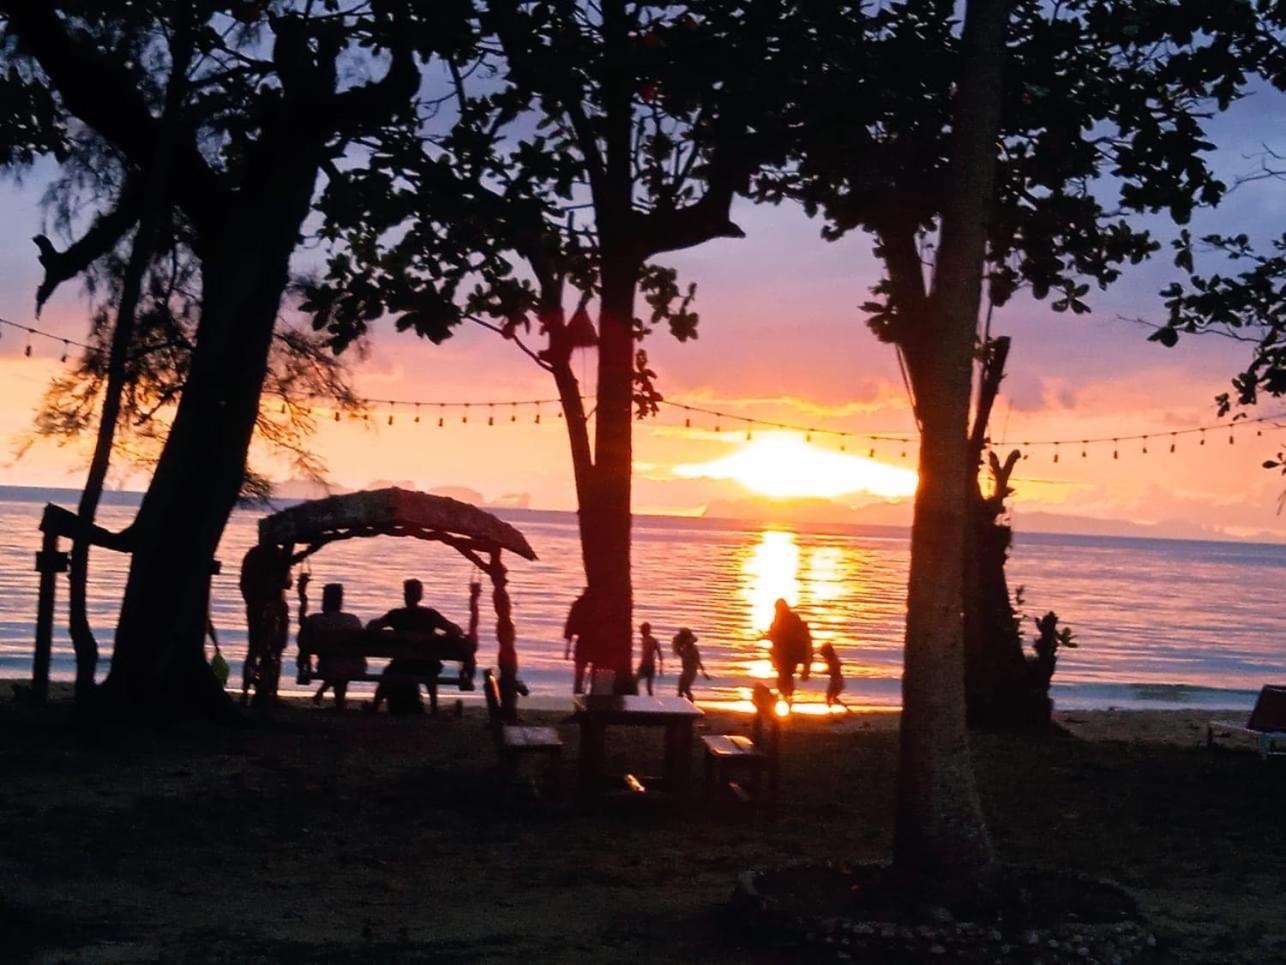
(592, 753)
(678, 756)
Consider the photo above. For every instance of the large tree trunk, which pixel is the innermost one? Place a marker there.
(939, 826)
(940, 831)
(158, 666)
(605, 507)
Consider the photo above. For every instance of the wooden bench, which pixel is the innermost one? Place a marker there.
(757, 756)
(516, 741)
(392, 645)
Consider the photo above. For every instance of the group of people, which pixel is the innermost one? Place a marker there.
(585, 647)
(402, 694)
(789, 634)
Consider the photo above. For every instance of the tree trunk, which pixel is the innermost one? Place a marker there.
(940, 832)
(997, 689)
(605, 508)
(158, 666)
(141, 252)
(939, 827)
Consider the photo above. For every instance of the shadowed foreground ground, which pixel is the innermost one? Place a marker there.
(348, 839)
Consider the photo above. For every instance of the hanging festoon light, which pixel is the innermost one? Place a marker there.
(417, 413)
(1084, 452)
(537, 413)
(513, 412)
(1173, 440)
(464, 419)
(1056, 452)
(1115, 452)
(66, 349)
(1203, 438)
(391, 407)
(491, 414)
(27, 351)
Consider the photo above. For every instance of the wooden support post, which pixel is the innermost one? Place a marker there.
(50, 561)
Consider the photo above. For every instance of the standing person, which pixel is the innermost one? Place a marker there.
(265, 577)
(582, 623)
(685, 648)
(836, 671)
(792, 644)
(650, 663)
(335, 669)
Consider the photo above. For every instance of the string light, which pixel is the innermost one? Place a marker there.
(720, 418)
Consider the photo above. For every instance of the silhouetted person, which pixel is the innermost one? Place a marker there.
(685, 648)
(582, 623)
(265, 577)
(836, 671)
(404, 696)
(335, 669)
(792, 645)
(650, 662)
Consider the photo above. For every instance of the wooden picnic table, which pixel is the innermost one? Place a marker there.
(596, 712)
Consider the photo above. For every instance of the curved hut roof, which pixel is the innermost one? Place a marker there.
(391, 512)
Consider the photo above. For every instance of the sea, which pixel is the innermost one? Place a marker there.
(1158, 623)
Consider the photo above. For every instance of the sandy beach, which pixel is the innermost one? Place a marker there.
(322, 837)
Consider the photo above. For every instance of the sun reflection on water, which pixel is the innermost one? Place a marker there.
(773, 573)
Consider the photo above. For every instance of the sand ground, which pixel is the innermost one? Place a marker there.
(346, 838)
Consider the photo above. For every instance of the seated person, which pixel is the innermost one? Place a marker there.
(402, 697)
(334, 669)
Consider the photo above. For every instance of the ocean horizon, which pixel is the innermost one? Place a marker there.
(1160, 623)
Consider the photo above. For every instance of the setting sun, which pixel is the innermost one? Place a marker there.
(785, 466)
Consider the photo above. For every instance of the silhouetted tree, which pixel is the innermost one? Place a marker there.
(592, 139)
(264, 110)
(908, 132)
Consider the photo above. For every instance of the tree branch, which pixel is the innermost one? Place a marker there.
(104, 96)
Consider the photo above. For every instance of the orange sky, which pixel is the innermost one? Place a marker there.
(782, 339)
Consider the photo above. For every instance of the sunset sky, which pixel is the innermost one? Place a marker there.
(782, 339)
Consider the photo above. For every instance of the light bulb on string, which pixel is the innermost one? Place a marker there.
(1115, 453)
(417, 412)
(441, 417)
(465, 417)
(1084, 454)
(1172, 441)
(27, 351)
(1231, 441)
(1203, 438)
(390, 417)
(513, 412)
(1056, 452)
(1145, 445)
(537, 413)
(66, 348)
(491, 414)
